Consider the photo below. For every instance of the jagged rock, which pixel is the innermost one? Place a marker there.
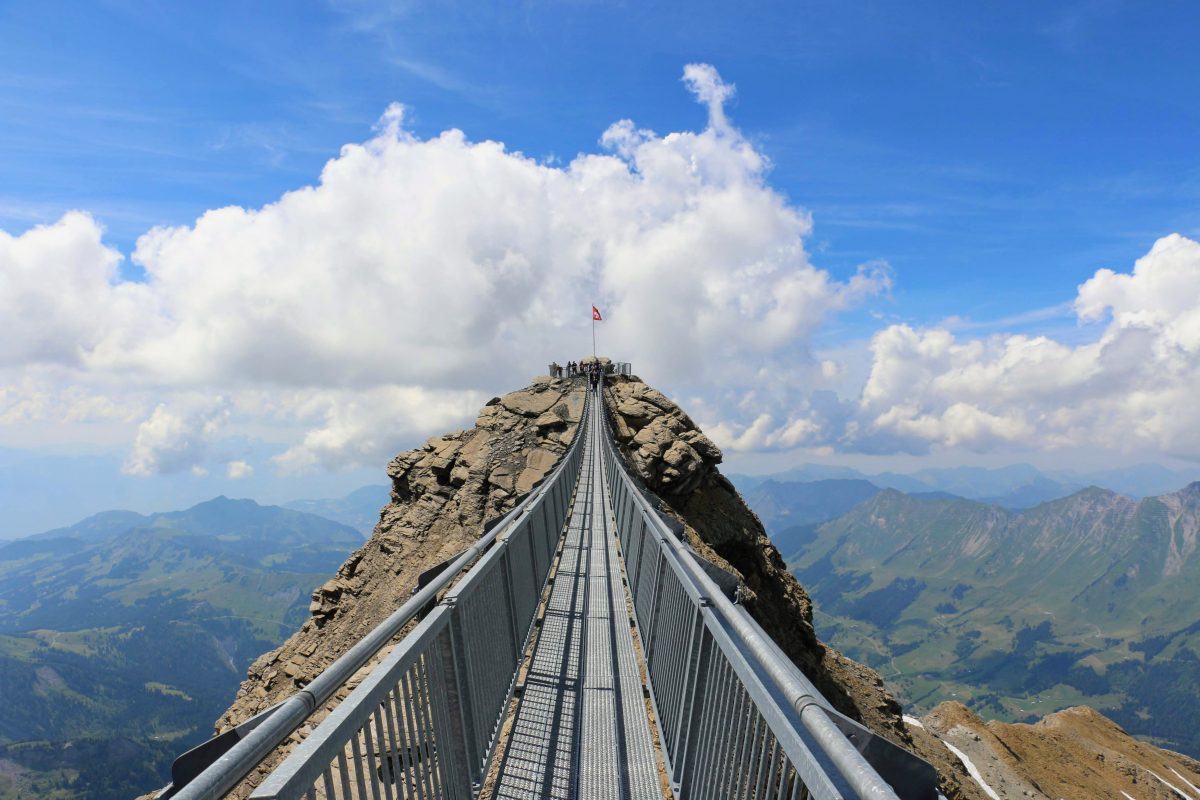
(702, 445)
(550, 420)
(537, 465)
(637, 411)
(503, 478)
(531, 402)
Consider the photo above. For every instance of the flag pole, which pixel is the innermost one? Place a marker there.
(593, 335)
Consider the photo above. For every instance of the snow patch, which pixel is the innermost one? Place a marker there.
(1127, 795)
(913, 721)
(973, 771)
(1170, 785)
(1191, 785)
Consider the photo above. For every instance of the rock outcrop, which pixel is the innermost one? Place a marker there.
(1074, 754)
(442, 495)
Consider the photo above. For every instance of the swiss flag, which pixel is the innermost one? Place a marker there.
(596, 314)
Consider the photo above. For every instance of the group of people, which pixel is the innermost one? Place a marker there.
(575, 369)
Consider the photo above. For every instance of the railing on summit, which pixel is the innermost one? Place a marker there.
(735, 717)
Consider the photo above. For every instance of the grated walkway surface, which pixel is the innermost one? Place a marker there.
(581, 729)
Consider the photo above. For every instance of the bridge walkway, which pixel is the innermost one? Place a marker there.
(581, 728)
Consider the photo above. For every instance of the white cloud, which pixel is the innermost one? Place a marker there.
(237, 470)
(436, 268)
(1134, 388)
(59, 293)
(30, 398)
(703, 81)
(370, 427)
(419, 276)
(176, 439)
(446, 263)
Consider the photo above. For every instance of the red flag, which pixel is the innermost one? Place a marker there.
(596, 314)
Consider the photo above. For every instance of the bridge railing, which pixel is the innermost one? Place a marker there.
(735, 717)
(424, 722)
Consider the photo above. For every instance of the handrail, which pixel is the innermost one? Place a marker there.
(739, 638)
(235, 764)
(428, 716)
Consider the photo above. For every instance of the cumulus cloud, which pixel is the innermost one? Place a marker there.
(417, 277)
(442, 266)
(370, 427)
(1133, 388)
(174, 439)
(237, 470)
(60, 298)
(705, 83)
(440, 262)
(37, 399)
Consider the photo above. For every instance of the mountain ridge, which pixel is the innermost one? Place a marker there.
(1015, 486)
(133, 627)
(1084, 598)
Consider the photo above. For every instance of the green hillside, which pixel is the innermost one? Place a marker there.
(138, 629)
(1090, 598)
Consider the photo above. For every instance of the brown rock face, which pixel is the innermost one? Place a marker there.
(442, 494)
(1074, 754)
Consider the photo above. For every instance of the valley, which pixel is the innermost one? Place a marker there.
(1086, 599)
(123, 636)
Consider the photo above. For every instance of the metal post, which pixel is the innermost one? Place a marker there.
(452, 736)
(459, 695)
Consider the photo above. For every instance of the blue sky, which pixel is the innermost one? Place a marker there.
(994, 156)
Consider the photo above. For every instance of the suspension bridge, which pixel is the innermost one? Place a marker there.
(580, 649)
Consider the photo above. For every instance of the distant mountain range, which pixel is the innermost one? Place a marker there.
(124, 635)
(40, 490)
(1014, 486)
(1087, 598)
(359, 509)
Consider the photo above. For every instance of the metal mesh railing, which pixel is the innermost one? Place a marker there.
(722, 734)
(424, 723)
(736, 718)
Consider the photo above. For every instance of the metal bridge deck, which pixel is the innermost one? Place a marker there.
(581, 727)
